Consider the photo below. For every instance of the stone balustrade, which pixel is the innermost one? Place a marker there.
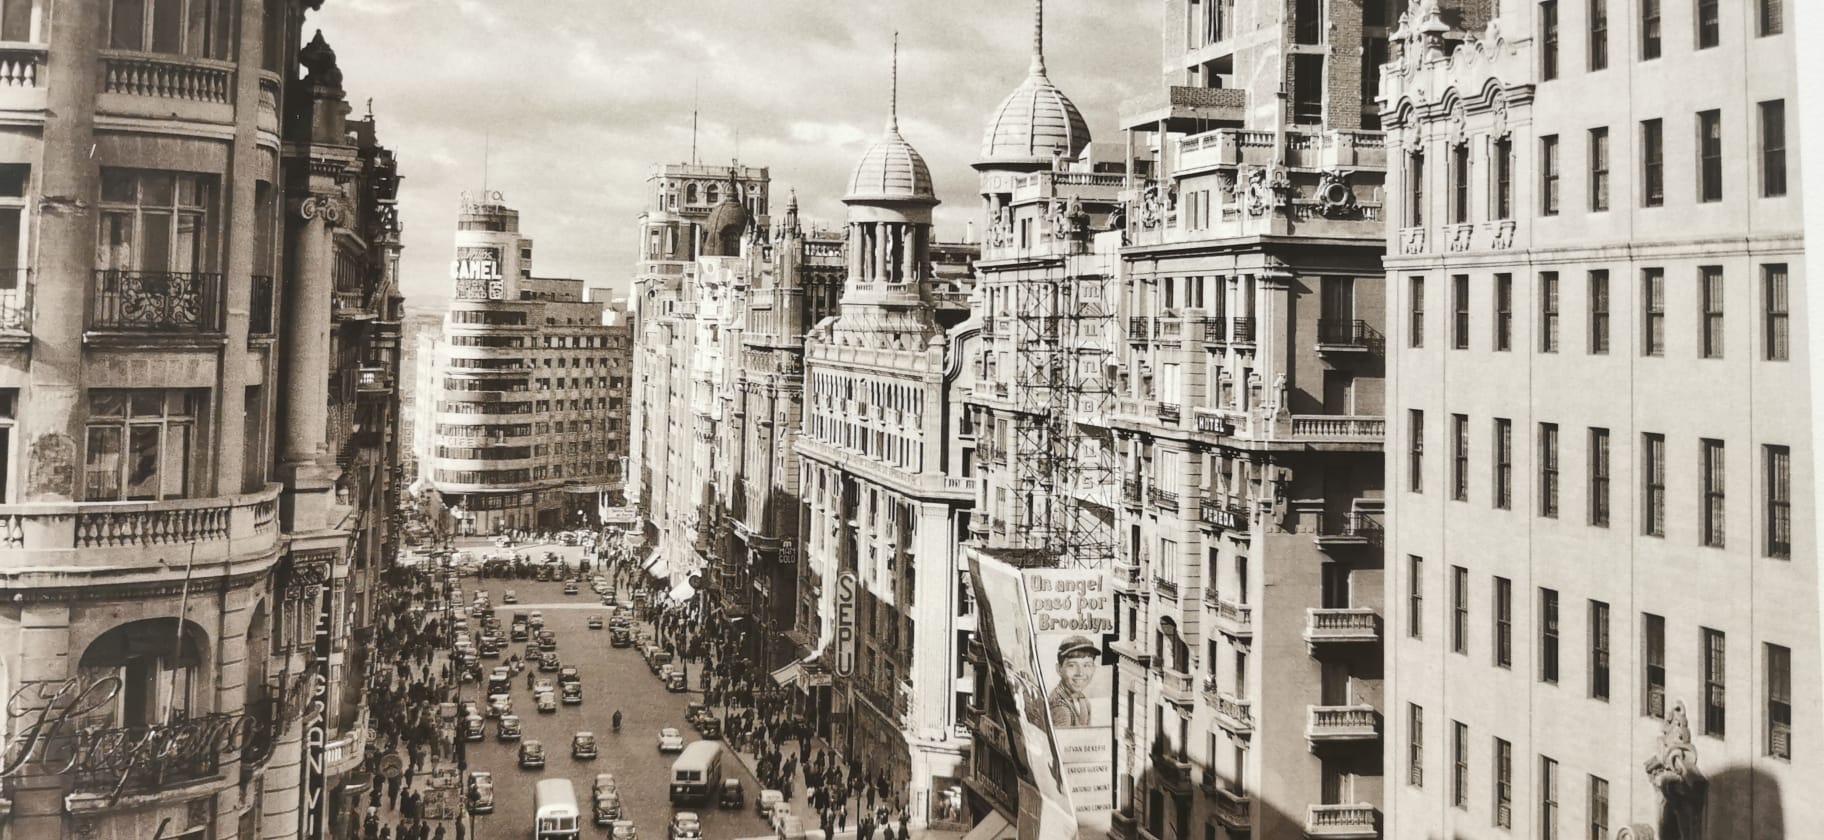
(62, 543)
(167, 77)
(1348, 820)
(1343, 723)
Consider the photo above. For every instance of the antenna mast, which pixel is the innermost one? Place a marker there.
(694, 91)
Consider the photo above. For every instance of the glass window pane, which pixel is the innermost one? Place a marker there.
(155, 229)
(189, 191)
(187, 256)
(107, 404)
(142, 462)
(127, 24)
(101, 469)
(16, 20)
(177, 461)
(156, 189)
(114, 247)
(119, 186)
(196, 39)
(167, 26)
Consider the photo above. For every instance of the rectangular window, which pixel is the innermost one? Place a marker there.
(1779, 702)
(139, 444)
(1710, 296)
(1709, 156)
(1504, 784)
(1653, 312)
(1599, 477)
(195, 28)
(1778, 528)
(1599, 167)
(1652, 163)
(1649, 30)
(1715, 705)
(1599, 651)
(1415, 745)
(1773, 148)
(1415, 596)
(1548, 470)
(1653, 477)
(1548, 799)
(1459, 610)
(1459, 764)
(1599, 808)
(1504, 178)
(157, 223)
(1776, 312)
(1653, 661)
(1713, 477)
(1548, 40)
(1459, 457)
(1459, 183)
(1504, 312)
(1415, 450)
(1307, 88)
(1548, 175)
(1504, 623)
(1459, 311)
(1770, 17)
(1709, 26)
(1599, 34)
(1599, 312)
(1415, 320)
(1548, 312)
(1504, 463)
(1548, 636)
(1415, 189)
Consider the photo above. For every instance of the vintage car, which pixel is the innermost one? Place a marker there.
(531, 755)
(608, 807)
(481, 792)
(595, 622)
(548, 661)
(670, 740)
(509, 597)
(571, 694)
(547, 702)
(685, 825)
(582, 745)
(763, 805)
(732, 795)
(509, 729)
(570, 589)
(623, 830)
(604, 783)
(710, 727)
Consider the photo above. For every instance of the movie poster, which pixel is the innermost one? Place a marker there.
(1071, 609)
(1006, 628)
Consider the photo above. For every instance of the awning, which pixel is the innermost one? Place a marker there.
(789, 674)
(992, 827)
(682, 592)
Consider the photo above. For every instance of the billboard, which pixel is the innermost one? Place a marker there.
(478, 274)
(1007, 637)
(1071, 609)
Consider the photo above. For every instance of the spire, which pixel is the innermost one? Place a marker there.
(792, 203)
(1038, 38)
(893, 96)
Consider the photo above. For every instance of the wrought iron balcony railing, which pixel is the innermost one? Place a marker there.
(156, 301)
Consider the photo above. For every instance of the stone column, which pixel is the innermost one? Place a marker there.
(306, 327)
(1272, 334)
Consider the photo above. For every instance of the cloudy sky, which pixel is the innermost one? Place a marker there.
(579, 98)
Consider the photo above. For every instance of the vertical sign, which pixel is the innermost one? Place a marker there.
(845, 624)
(316, 721)
(1006, 631)
(1071, 610)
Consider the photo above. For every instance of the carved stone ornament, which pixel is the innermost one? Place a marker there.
(1498, 117)
(1000, 231)
(1459, 124)
(329, 207)
(1151, 210)
(1335, 198)
(1058, 219)
(1260, 193)
(1684, 793)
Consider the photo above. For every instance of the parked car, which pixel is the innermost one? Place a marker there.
(685, 825)
(547, 702)
(676, 682)
(481, 792)
(509, 729)
(620, 637)
(733, 795)
(473, 728)
(531, 755)
(710, 728)
(695, 710)
(582, 745)
(763, 804)
(670, 740)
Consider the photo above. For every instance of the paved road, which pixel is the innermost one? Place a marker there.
(612, 678)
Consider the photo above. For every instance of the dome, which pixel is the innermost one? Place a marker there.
(726, 224)
(892, 170)
(1034, 122)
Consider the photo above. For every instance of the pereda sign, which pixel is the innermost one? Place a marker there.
(845, 625)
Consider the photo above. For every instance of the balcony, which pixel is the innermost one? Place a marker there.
(70, 543)
(22, 77)
(1335, 822)
(1169, 330)
(351, 305)
(1241, 330)
(1217, 514)
(156, 303)
(1231, 618)
(1130, 492)
(1190, 105)
(1338, 428)
(1173, 766)
(1162, 498)
(1334, 336)
(1234, 714)
(1348, 625)
(1342, 724)
(15, 307)
(135, 761)
(1177, 687)
(1138, 330)
(1126, 577)
(1165, 588)
(1353, 528)
(373, 380)
(260, 311)
(1232, 807)
(1215, 330)
(159, 85)
(1167, 412)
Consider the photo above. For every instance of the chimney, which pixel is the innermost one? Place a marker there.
(969, 232)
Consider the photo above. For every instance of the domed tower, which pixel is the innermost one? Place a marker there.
(889, 200)
(727, 223)
(1035, 124)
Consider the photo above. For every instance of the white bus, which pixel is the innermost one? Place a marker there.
(557, 816)
(697, 774)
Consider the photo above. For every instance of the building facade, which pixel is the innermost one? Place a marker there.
(1603, 612)
(523, 376)
(201, 335)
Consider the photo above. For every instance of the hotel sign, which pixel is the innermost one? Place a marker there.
(845, 624)
(477, 273)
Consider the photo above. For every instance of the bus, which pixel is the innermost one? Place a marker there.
(697, 774)
(557, 816)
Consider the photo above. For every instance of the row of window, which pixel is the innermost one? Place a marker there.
(1709, 318)
(1769, 19)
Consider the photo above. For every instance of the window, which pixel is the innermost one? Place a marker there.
(1548, 40)
(1599, 34)
(1712, 469)
(1773, 148)
(1459, 457)
(1504, 312)
(157, 222)
(1504, 463)
(196, 28)
(1599, 167)
(1776, 312)
(1599, 312)
(1504, 623)
(1459, 610)
(1504, 784)
(1652, 163)
(1653, 660)
(1415, 745)
(1548, 636)
(1653, 312)
(139, 444)
(1415, 596)
(1459, 183)
(1779, 702)
(1599, 808)
(1415, 319)
(1714, 697)
(1415, 189)
(1599, 651)
(1770, 17)
(1459, 764)
(1415, 450)
(1548, 470)
(1504, 179)
(1548, 312)
(1709, 156)
(1548, 799)
(1548, 175)
(1307, 88)
(1778, 528)
(1649, 30)
(1709, 32)
(1653, 499)
(1459, 311)
(1599, 477)
(1710, 279)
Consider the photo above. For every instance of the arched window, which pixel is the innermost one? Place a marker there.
(159, 668)
(690, 194)
(712, 194)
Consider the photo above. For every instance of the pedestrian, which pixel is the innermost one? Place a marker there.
(905, 824)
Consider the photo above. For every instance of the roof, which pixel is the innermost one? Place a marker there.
(1034, 122)
(891, 170)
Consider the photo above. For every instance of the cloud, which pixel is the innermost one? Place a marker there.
(574, 101)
